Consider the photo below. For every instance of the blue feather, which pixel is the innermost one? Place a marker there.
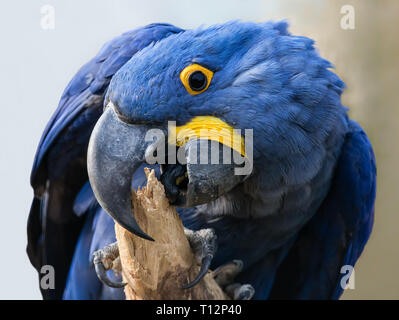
(337, 234)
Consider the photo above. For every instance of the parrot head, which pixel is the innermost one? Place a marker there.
(220, 80)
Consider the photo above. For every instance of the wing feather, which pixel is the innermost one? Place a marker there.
(338, 232)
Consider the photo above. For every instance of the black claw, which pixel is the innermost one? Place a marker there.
(102, 275)
(205, 264)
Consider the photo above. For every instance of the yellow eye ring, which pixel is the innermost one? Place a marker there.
(196, 79)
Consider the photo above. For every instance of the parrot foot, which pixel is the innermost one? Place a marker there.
(225, 275)
(106, 259)
(203, 243)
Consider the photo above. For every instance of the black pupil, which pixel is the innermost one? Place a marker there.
(197, 81)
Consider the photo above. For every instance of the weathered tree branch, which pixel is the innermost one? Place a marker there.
(158, 270)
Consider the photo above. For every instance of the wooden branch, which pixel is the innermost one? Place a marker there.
(158, 270)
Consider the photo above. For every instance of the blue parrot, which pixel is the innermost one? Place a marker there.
(303, 212)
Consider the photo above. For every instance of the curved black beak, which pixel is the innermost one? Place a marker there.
(116, 150)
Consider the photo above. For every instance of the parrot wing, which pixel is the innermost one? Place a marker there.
(59, 170)
(336, 235)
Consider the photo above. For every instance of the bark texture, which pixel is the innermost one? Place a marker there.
(158, 270)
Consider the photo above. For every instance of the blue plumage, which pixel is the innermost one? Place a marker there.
(307, 208)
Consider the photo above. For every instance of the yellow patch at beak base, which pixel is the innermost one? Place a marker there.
(209, 128)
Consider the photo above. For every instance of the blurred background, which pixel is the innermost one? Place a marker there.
(38, 58)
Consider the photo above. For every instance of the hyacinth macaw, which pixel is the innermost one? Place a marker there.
(305, 210)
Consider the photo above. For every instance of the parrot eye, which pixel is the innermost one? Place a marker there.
(196, 78)
(197, 81)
